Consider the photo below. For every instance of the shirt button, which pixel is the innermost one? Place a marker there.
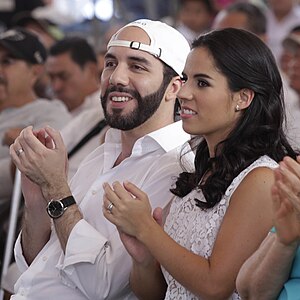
(94, 192)
(44, 258)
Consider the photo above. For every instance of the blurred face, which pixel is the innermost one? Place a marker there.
(294, 74)
(68, 79)
(231, 20)
(16, 79)
(281, 7)
(195, 16)
(131, 83)
(221, 4)
(207, 104)
(290, 64)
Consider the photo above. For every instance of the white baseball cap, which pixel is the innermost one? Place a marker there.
(166, 43)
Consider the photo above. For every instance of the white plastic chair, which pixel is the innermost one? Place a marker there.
(13, 218)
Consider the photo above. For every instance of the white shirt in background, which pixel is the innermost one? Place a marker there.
(38, 113)
(277, 31)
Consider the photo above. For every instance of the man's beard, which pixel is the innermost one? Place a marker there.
(146, 107)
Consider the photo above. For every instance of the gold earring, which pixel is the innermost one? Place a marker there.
(237, 108)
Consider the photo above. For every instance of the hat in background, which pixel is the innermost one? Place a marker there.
(292, 42)
(22, 19)
(23, 45)
(166, 43)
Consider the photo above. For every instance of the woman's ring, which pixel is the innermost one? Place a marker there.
(110, 207)
(19, 151)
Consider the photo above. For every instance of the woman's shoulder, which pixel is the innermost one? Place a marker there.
(260, 168)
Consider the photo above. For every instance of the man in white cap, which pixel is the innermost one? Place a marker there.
(67, 250)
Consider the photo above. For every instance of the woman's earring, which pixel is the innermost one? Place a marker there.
(237, 108)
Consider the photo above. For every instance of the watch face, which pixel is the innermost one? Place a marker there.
(55, 209)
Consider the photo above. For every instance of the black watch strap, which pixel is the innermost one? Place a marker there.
(68, 201)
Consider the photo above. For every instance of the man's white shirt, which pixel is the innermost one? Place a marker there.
(96, 264)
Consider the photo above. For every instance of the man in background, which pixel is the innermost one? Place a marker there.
(193, 17)
(73, 71)
(74, 78)
(49, 34)
(22, 56)
(242, 15)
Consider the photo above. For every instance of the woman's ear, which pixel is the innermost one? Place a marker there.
(245, 98)
(173, 88)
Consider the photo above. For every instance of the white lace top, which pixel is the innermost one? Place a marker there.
(196, 229)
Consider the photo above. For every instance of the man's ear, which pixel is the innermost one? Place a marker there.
(38, 71)
(173, 88)
(245, 98)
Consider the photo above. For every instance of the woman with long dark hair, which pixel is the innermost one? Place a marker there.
(232, 101)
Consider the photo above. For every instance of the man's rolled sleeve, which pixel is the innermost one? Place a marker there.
(83, 245)
(88, 252)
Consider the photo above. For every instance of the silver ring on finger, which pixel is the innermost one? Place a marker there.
(110, 207)
(19, 151)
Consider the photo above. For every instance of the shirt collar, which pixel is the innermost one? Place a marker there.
(168, 137)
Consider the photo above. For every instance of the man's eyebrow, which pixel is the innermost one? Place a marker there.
(140, 60)
(109, 55)
(55, 74)
(132, 58)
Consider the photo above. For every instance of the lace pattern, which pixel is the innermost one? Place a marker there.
(196, 229)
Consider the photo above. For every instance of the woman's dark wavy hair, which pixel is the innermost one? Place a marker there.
(247, 63)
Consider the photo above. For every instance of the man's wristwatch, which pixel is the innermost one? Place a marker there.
(56, 208)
